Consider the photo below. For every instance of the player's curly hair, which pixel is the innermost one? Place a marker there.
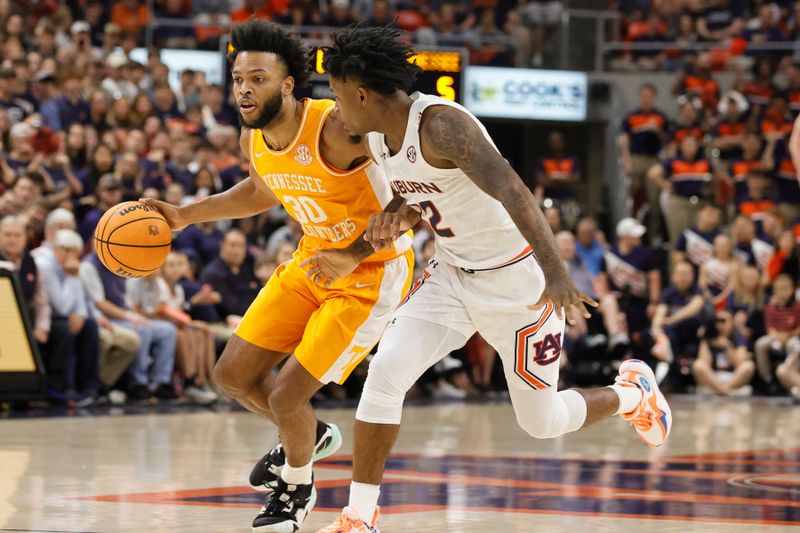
(376, 56)
(258, 35)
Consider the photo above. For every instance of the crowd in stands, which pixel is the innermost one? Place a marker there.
(663, 33)
(705, 289)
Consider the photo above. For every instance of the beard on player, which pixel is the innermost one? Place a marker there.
(270, 109)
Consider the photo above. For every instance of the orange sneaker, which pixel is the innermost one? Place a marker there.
(349, 522)
(652, 418)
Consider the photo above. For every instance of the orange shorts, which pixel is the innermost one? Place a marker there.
(329, 330)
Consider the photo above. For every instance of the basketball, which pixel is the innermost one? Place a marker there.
(132, 239)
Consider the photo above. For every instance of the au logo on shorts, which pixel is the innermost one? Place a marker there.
(303, 155)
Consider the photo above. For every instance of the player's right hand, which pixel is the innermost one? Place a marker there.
(171, 213)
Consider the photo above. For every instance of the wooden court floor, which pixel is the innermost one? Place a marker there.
(730, 466)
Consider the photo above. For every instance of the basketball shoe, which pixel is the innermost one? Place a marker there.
(652, 418)
(285, 508)
(265, 473)
(349, 522)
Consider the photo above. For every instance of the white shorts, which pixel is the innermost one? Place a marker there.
(495, 304)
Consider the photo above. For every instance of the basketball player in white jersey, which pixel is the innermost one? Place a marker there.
(496, 269)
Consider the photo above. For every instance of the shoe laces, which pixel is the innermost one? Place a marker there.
(641, 418)
(343, 524)
(282, 501)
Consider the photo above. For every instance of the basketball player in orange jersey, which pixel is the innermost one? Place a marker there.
(301, 156)
(496, 269)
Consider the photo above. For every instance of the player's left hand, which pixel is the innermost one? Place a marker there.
(564, 295)
(326, 266)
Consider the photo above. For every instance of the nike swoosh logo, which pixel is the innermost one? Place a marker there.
(360, 285)
(259, 154)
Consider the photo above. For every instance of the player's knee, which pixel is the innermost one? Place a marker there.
(384, 391)
(782, 372)
(229, 377)
(544, 427)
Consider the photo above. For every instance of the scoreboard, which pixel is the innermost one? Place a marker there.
(442, 74)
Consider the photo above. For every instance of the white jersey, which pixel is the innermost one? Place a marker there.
(473, 230)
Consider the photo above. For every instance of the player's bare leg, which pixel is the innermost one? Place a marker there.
(243, 374)
(293, 496)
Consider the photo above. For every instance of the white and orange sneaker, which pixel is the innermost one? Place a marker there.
(349, 522)
(652, 418)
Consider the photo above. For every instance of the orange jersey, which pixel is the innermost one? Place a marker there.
(332, 206)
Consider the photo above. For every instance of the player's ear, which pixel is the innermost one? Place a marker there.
(362, 95)
(288, 86)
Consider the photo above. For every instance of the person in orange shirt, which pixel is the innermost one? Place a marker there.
(301, 156)
(130, 15)
(263, 9)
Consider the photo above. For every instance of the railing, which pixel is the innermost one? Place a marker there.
(605, 39)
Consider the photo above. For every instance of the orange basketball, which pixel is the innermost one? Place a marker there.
(132, 239)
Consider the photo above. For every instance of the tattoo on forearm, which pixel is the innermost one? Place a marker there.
(456, 137)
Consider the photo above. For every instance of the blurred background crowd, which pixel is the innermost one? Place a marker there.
(701, 280)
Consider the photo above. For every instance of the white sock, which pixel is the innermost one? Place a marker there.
(364, 499)
(300, 475)
(629, 397)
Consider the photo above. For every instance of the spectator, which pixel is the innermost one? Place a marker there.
(70, 108)
(232, 276)
(765, 29)
(730, 126)
(72, 353)
(203, 239)
(788, 189)
(552, 213)
(152, 367)
(719, 20)
(151, 297)
(101, 163)
(758, 197)
(695, 244)
(595, 286)
(23, 193)
(746, 303)
(174, 35)
(634, 276)
(723, 364)
(698, 81)
(115, 84)
(751, 159)
(339, 15)
(782, 323)
(178, 165)
(677, 319)
(15, 256)
(588, 245)
(785, 260)
(131, 16)
(760, 89)
(688, 123)
(651, 59)
(17, 108)
(686, 180)
(717, 274)
(57, 219)
(557, 174)
(743, 234)
(215, 109)
(109, 194)
(643, 133)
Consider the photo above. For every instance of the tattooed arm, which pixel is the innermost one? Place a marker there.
(450, 138)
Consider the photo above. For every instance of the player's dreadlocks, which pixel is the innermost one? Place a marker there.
(257, 35)
(375, 56)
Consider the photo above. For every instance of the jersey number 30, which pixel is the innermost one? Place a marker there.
(305, 209)
(435, 218)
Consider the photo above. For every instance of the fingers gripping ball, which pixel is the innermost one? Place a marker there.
(132, 239)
